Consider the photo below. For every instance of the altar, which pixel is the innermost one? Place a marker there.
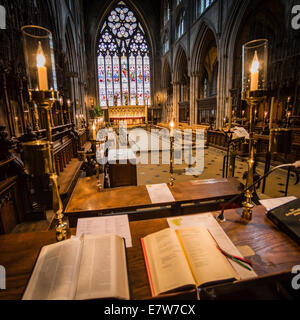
(132, 115)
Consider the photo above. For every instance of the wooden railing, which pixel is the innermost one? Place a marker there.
(63, 153)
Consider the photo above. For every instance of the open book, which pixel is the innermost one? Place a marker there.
(183, 258)
(91, 267)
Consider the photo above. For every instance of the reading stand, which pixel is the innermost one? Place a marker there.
(85, 202)
(274, 251)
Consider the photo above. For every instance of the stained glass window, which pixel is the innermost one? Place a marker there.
(123, 60)
(147, 80)
(102, 83)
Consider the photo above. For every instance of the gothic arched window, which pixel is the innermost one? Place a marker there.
(123, 60)
(166, 11)
(2, 17)
(180, 24)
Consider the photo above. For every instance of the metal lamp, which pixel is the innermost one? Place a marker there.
(254, 77)
(41, 74)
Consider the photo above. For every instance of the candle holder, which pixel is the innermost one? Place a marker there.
(172, 139)
(255, 66)
(42, 86)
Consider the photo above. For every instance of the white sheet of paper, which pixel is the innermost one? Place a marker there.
(270, 204)
(160, 193)
(118, 225)
(207, 221)
(240, 132)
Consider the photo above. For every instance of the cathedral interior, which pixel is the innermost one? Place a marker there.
(210, 85)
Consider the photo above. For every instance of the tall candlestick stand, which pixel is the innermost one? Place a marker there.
(254, 75)
(46, 100)
(253, 103)
(172, 179)
(39, 156)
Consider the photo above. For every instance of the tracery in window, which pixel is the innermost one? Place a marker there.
(166, 11)
(123, 60)
(202, 5)
(180, 24)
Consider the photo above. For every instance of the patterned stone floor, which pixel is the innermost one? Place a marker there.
(213, 164)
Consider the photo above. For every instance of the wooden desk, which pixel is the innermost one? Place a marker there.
(275, 252)
(86, 202)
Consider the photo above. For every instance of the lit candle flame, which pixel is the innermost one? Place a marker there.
(255, 64)
(172, 124)
(40, 57)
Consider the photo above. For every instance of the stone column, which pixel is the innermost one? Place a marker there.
(192, 99)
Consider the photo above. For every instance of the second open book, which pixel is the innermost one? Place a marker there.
(187, 257)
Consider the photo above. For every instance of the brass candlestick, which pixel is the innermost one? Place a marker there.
(254, 75)
(39, 160)
(253, 101)
(172, 179)
(40, 68)
(85, 154)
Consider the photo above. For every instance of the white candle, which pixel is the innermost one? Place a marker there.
(42, 70)
(254, 73)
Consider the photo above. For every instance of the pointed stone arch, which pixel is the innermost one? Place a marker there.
(181, 87)
(167, 92)
(180, 64)
(204, 76)
(70, 65)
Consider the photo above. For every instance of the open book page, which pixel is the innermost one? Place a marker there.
(103, 269)
(105, 225)
(207, 263)
(207, 221)
(56, 271)
(167, 267)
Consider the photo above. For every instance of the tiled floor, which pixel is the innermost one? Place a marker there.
(213, 164)
(212, 168)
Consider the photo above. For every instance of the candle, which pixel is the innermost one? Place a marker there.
(42, 70)
(254, 73)
(172, 129)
